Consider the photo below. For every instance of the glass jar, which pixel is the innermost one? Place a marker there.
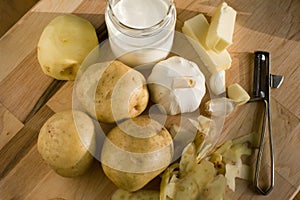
(140, 31)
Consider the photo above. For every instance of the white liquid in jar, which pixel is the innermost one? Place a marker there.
(140, 13)
(134, 48)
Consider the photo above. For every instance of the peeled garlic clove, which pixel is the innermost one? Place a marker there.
(177, 85)
(237, 94)
(217, 82)
(220, 106)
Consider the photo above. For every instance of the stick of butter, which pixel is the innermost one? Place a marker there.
(197, 28)
(220, 32)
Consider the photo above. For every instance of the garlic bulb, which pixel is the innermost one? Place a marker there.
(177, 85)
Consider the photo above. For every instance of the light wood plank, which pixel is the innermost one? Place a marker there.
(57, 6)
(9, 126)
(22, 88)
(24, 177)
(92, 11)
(92, 185)
(22, 142)
(62, 100)
(288, 155)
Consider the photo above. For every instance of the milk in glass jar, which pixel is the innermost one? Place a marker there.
(140, 31)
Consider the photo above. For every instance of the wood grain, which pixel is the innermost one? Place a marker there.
(92, 185)
(22, 142)
(12, 11)
(18, 91)
(28, 97)
(56, 6)
(62, 100)
(24, 177)
(297, 197)
(288, 155)
(9, 126)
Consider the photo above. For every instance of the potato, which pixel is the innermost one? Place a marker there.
(135, 152)
(139, 195)
(64, 44)
(65, 145)
(112, 91)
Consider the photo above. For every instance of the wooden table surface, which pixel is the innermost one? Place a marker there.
(28, 97)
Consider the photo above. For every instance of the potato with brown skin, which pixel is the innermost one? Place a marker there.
(64, 44)
(112, 91)
(135, 152)
(66, 144)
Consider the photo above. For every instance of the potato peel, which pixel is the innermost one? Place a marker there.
(167, 177)
(188, 159)
(215, 190)
(208, 178)
(191, 184)
(205, 136)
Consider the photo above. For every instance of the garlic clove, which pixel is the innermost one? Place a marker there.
(217, 82)
(183, 82)
(237, 94)
(220, 106)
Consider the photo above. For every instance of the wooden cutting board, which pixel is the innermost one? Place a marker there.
(28, 97)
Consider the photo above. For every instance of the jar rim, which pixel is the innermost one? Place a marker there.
(149, 29)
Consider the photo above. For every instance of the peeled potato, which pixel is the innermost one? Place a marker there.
(64, 44)
(135, 152)
(112, 91)
(66, 145)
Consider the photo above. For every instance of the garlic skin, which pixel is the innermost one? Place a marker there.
(177, 85)
(220, 107)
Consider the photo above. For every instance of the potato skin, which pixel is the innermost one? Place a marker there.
(121, 93)
(66, 146)
(64, 44)
(112, 91)
(130, 182)
(135, 152)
